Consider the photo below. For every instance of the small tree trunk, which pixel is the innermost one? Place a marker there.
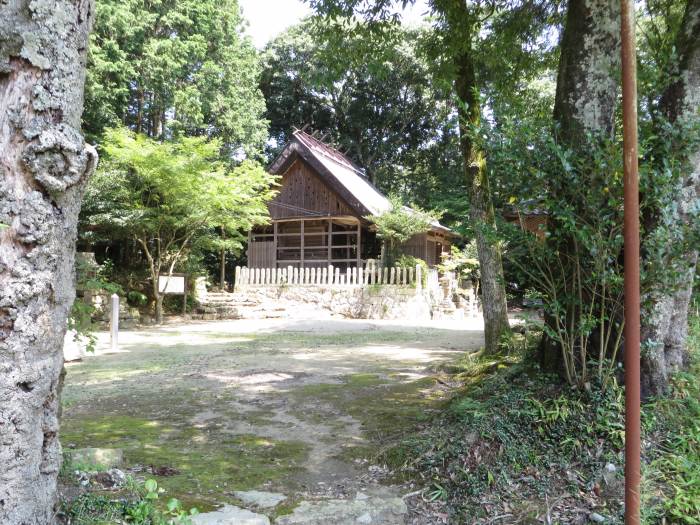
(665, 323)
(159, 308)
(481, 210)
(222, 276)
(44, 164)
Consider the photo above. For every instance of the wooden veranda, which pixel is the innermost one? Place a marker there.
(307, 242)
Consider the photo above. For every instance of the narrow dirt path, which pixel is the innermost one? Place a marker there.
(297, 407)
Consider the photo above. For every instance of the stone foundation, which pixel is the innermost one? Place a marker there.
(353, 302)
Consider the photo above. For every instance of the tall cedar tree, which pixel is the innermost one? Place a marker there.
(175, 67)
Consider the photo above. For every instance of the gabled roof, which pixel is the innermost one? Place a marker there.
(341, 174)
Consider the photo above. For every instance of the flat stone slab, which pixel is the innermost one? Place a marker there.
(230, 515)
(106, 457)
(264, 500)
(367, 511)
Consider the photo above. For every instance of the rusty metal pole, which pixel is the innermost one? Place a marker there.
(632, 298)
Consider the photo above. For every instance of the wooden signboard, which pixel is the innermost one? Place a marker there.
(176, 284)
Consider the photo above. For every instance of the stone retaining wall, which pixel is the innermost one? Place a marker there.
(354, 302)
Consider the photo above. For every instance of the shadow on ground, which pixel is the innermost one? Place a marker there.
(293, 407)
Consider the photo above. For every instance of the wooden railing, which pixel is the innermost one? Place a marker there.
(371, 275)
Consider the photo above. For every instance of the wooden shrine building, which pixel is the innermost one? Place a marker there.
(319, 215)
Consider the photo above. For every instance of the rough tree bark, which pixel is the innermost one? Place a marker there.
(584, 106)
(587, 83)
(665, 324)
(44, 163)
(481, 211)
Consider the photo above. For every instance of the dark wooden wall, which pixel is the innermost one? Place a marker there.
(261, 254)
(427, 246)
(303, 189)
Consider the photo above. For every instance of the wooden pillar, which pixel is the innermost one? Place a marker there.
(274, 242)
(247, 252)
(359, 244)
(301, 243)
(330, 241)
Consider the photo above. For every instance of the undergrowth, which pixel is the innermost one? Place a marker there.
(520, 445)
(138, 506)
(517, 444)
(671, 488)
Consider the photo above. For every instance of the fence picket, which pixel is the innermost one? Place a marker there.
(331, 275)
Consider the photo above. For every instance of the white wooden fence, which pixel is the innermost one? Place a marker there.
(290, 276)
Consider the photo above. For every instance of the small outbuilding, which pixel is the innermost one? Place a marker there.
(319, 217)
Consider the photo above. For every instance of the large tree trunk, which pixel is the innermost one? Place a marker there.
(588, 66)
(44, 164)
(584, 105)
(665, 323)
(481, 210)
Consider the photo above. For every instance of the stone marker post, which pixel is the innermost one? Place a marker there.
(114, 323)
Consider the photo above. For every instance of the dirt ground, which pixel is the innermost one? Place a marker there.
(299, 407)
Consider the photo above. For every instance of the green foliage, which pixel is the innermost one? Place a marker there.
(398, 225)
(514, 435)
(672, 477)
(463, 262)
(82, 312)
(145, 512)
(517, 436)
(380, 100)
(175, 67)
(180, 188)
(409, 261)
(577, 269)
(141, 507)
(173, 198)
(136, 298)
